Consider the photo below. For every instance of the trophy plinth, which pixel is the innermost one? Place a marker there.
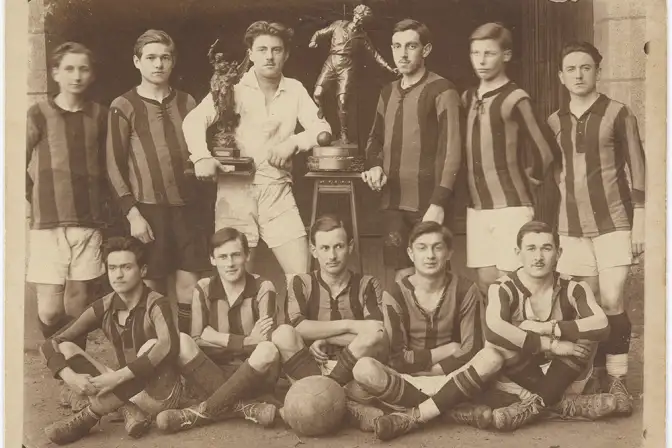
(337, 157)
(232, 162)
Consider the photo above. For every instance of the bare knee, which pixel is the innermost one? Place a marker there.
(146, 346)
(286, 338)
(369, 372)
(489, 359)
(188, 349)
(50, 303)
(264, 356)
(69, 349)
(185, 282)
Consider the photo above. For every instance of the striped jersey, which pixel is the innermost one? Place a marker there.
(497, 172)
(595, 195)
(151, 318)
(66, 183)
(146, 151)
(212, 308)
(573, 306)
(310, 298)
(414, 331)
(416, 139)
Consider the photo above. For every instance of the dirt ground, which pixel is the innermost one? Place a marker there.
(41, 408)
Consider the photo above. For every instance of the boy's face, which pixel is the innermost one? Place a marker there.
(268, 54)
(579, 73)
(230, 259)
(538, 254)
(74, 74)
(429, 254)
(155, 64)
(408, 52)
(123, 271)
(332, 250)
(488, 58)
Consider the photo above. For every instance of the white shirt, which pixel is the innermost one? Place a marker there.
(261, 127)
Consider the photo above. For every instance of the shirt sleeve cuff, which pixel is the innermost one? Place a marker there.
(569, 330)
(56, 363)
(297, 320)
(126, 203)
(638, 198)
(532, 344)
(236, 342)
(422, 359)
(141, 367)
(441, 196)
(450, 364)
(195, 157)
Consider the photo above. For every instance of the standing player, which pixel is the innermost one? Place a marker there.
(531, 312)
(499, 115)
(66, 187)
(413, 152)
(347, 40)
(151, 353)
(233, 317)
(270, 106)
(146, 159)
(601, 221)
(333, 312)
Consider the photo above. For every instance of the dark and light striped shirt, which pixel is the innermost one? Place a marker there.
(495, 152)
(573, 306)
(65, 178)
(414, 332)
(416, 139)
(595, 195)
(146, 150)
(309, 298)
(211, 308)
(151, 318)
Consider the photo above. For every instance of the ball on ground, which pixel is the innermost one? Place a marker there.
(314, 406)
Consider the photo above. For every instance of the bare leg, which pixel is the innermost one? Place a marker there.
(293, 256)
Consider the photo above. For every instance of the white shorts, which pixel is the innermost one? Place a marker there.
(576, 388)
(64, 253)
(491, 236)
(586, 257)
(266, 211)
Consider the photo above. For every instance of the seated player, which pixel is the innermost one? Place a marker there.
(152, 354)
(532, 314)
(233, 314)
(334, 313)
(432, 318)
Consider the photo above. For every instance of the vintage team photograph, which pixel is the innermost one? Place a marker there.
(322, 223)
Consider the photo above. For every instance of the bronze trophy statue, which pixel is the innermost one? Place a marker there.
(349, 43)
(223, 145)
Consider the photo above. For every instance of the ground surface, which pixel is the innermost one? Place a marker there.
(41, 408)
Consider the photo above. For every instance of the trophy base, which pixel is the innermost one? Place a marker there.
(238, 166)
(336, 158)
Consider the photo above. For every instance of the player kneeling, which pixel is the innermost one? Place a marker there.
(334, 313)
(233, 314)
(142, 329)
(531, 313)
(433, 320)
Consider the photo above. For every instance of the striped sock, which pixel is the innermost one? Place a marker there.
(618, 345)
(345, 362)
(399, 392)
(184, 317)
(301, 365)
(464, 385)
(617, 365)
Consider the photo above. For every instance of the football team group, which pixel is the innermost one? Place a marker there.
(543, 331)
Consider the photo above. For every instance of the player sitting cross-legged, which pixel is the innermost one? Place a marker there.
(541, 333)
(151, 353)
(232, 319)
(334, 313)
(432, 318)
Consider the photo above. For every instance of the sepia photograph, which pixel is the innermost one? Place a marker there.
(341, 224)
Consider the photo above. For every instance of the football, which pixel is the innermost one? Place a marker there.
(314, 406)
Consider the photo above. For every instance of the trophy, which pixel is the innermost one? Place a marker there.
(348, 44)
(223, 144)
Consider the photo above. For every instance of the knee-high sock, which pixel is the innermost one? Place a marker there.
(50, 330)
(345, 362)
(397, 392)
(618, 345)
(184, 317)
(464, 385)
(203, 374)
(560, 375)
(237, 387)
(527, 374)
(301, 365)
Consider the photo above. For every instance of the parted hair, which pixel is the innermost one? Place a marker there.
(327, 223)
(125, 244)
(67, 48)
(580, 47)
(425, 227)
(536, 227)
(264, 28)
(153, 37)
(223, 236)
(412, 24)
(493, 31)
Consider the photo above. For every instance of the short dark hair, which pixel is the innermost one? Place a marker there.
(153, 37)
(67, 48)
(580, 47)
(419, 27)
(223, 236)
(125, 244)
(263, 28)
(494, 31)
(425, 227)
(536, 227)
(327, 223)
